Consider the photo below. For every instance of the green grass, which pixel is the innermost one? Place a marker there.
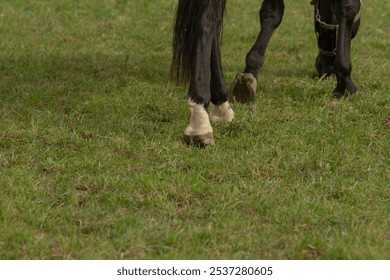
(91, 160)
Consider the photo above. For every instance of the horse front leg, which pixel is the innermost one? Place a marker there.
(199, 131)
(342, 64)
(245, 84)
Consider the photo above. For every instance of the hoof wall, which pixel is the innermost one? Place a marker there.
(348, 93)
(244, 88)
(199, 140)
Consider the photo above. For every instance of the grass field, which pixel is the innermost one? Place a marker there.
(91, 160)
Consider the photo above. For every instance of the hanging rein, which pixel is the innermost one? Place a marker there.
(332, 27)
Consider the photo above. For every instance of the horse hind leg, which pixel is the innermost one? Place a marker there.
(199, 131)
(221, 110)
(245, 84)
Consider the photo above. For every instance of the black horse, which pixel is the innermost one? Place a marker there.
(197, 60)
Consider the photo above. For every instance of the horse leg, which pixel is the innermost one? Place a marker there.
(221, 110)
(245, 84)
(199, 131)
(325, 26)
(342, 64)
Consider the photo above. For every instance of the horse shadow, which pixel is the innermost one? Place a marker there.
(71, 73)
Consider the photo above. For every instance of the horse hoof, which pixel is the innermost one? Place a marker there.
(244, 88)
(222, 113)
(338, 95)
(324, 66)
(199, 140)
(351, 90)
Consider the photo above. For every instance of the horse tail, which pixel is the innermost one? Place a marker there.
(187, 12)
